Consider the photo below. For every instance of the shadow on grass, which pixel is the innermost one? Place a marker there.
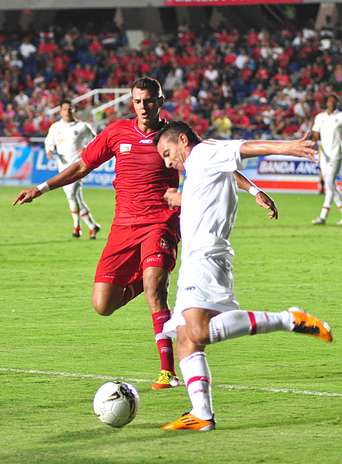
(151, 432)
(139, 444)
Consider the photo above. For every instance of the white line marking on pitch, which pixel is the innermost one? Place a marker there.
(295, 391)
(77, 375)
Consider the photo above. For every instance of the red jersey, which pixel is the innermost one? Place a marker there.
(141, 177)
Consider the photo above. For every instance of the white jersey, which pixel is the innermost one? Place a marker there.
(68, 139)
(329, 127)
(209, 198)
(209, 205)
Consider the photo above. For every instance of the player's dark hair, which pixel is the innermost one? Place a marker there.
(66, 101)
(333, 95)
(150, 84)
(173, 129)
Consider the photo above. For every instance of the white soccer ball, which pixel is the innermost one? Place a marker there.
(116, 403)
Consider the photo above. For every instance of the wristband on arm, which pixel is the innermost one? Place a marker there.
(253, 190)
(43, 187)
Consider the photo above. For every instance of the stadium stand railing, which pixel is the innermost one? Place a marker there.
(120, 95)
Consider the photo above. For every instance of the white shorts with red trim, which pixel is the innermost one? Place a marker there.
(204, 282)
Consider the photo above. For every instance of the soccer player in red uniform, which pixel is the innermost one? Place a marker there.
(142, 244)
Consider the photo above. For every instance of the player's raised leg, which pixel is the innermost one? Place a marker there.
(203, 327)
(238, 323)
(136, 259)
(117, 280)
(107, 297)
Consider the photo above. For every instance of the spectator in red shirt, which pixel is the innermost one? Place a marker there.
(47, 47)
(29, 129)
(88, 74)
(282, 78)
(252, 38)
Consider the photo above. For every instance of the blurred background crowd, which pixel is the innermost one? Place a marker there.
(226, 82)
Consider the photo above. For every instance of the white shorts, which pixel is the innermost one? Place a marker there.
(204, 282)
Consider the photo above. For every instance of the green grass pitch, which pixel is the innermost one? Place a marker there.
(277, 397)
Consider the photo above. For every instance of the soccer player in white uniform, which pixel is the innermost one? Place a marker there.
(328, 128)
(206, 310)
(67, 138)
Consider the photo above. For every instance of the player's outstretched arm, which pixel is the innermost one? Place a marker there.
(302, 148)
(261, 198)
(71, 174)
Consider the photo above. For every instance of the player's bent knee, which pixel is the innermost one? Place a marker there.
(103, 308)
(107, 298)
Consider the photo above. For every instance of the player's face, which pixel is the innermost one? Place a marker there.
(146, 106)
(173, 153)
(331, 103)
(67, 112)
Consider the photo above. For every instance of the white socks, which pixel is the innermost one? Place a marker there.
(324, 212)
(88, 219)
(76, 219)
(237, 323)
(197, 379)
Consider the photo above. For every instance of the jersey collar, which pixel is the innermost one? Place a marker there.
(333, 113)
(150, 134)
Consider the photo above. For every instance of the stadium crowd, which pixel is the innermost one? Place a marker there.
(224, 82)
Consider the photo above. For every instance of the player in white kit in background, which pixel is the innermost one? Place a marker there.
(66, 139)
(328, 128)
(206, 310)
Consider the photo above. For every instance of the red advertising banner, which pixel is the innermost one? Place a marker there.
(225, 2)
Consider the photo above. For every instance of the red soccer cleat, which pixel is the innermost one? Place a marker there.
(77, 232)
(93, 232)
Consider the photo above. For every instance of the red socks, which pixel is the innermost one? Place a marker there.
(164, 343)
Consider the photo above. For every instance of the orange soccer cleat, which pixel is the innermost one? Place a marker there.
(190, 422)
(307, 324)
(166, 379)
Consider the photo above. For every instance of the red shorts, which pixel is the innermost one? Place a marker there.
(131, 249)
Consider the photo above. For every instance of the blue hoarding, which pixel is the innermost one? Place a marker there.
(26, 163)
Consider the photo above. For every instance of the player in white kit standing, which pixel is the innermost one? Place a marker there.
(66, 138)
(206, 310)
(328, 128)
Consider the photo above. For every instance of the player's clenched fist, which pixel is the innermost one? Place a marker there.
(26, 196)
